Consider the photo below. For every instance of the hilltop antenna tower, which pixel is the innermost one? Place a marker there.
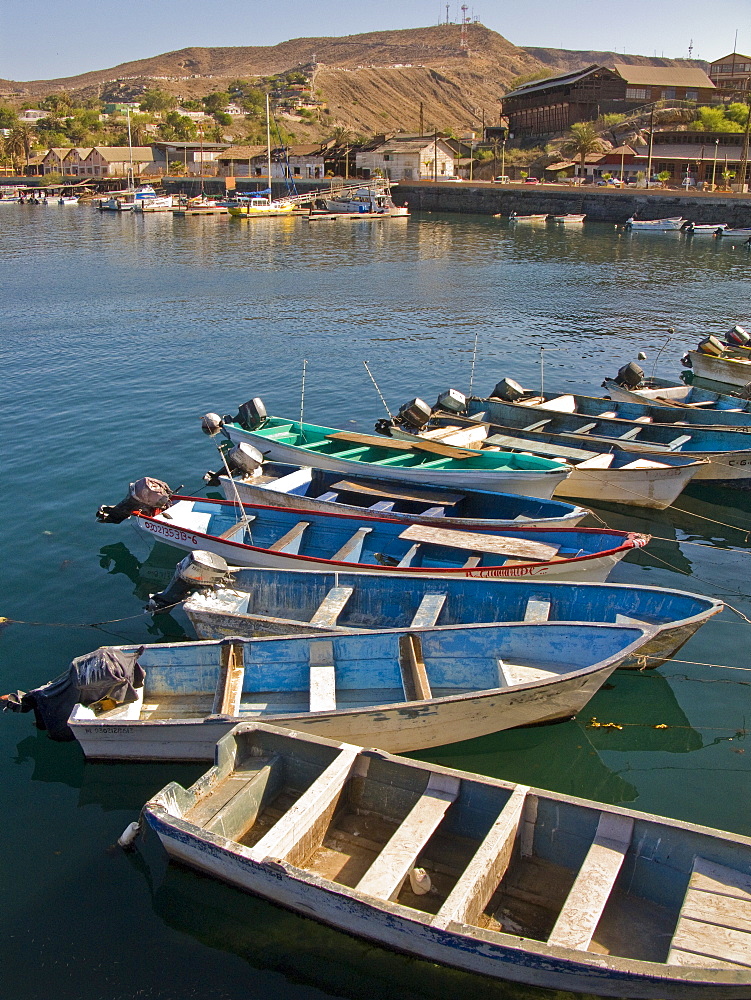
(464, 41)
(690, 48)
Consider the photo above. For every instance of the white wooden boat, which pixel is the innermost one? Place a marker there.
(303, 488)
(402, 690)
(731, 368)
(741, 234)
(424, 463)
(366, 202)
(601, 473)
(705, 229)
(668, 393)
(514, 217)
(568, 218)
(251, 602)
(282, 538)
(67, 199)
(500, 879)
(655, 225)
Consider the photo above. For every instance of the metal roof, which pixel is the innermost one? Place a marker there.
(664, 76)
(551, 82)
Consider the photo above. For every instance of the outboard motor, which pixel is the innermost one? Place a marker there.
(147, 496)
(243, 459)
(252, 415)
(414, 415)
(199, 570)
(452, 401)
(711, 345)
(509, 391)
(630, 375)
(745, 392)
(738, 336)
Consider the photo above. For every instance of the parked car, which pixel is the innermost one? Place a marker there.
(531, 180)
(502, 179)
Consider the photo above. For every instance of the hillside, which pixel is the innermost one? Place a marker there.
(368, 83)
(563, 60)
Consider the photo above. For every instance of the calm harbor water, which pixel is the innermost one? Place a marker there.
(117, 334)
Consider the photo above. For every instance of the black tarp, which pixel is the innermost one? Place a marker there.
(107, 673)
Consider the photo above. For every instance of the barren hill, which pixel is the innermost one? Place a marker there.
(564, 60)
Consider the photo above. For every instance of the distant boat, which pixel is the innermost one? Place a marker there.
(258, 206)
(292, 602)
(280, 538)
(741, 234)
(731, 368)
(705, 229)
(567, 218)
(514, 217)
(655, 225)
(487, 876)
(368, 201)
(402, 689)
(68, 199)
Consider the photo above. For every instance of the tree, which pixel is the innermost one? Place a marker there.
(216, 102)
(715, 120)
(18, 143)
(663, 177)
(582, 141)
(157, 100)
(8, 117)
(738, 112)
(58, 103)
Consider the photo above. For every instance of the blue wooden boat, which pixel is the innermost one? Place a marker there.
(405, 689)
(649, 412)
(423, 463)
(664, 392)
(727, 450)
(290, 602)
(317, 489)
(280, 538)
(491, 877)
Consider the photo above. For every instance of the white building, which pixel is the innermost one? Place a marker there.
(411, 159)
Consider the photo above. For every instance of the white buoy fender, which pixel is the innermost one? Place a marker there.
(419, 881)
(128, 836)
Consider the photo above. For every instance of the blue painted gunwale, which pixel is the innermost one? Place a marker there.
(694, 394)
(712, 419)
(343, 525)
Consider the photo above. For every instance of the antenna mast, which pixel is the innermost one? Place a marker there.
(464, 42)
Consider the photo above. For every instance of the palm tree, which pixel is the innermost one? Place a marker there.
(582, 140)
(18, 143)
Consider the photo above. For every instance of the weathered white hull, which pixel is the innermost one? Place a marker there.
(654, 488)
(592, 568)
(395, 728)
(621, 395)
(730, 371)
(250, 493)
(401, 928)
(531, 484)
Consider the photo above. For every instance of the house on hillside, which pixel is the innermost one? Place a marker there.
(554, 104)
(116, 161)
(731, 75)
(75, 162)
(53, 160)
(408, 159)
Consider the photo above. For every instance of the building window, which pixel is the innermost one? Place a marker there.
(408, 173)
(386, 157)
(636, 93)
(692, 95)
(668, 94)
(296, 171)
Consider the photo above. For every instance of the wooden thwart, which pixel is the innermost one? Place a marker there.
(539, 447)
(414, 673)
(521, 548)
(350, 551)
(332, 606)
(427, 613)
(397, 492)
(233, 530)
(229, 688)
(481, 877)
(419, 444)
(386, 875)
(714, 926)
(290, 542)
(322, 676)
(536, 610)
(590, 892)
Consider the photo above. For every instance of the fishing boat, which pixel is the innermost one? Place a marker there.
(491, 877)
(705, 229)
(68, 199)
(279, 538)
(200, 205)
(303, 488)
(420, 462)
(731, 368)
(727, 451)
(260, 204)
(665, 392)
(655, 225)
(515, 217)
(649, 411)
(600, 472)
(399, 689)
(250, 602)
(368, 201)
(567, 219)
(741, 234)
(147, 200)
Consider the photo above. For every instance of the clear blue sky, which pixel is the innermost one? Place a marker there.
(53, 38)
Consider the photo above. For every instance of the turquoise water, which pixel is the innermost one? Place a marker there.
(118, 333)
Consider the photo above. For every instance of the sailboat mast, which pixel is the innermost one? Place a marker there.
(268, 143)
(130, 149)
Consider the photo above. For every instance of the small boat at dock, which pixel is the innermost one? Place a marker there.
(405, 690)
(491, 877)
(248, 602)
(281, 538)
(673, 224)
(569, 218)
(515, 217)
(664, 392)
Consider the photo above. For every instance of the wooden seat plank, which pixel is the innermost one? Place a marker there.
(521, 548)
(480, 879)
(397, 492)
(472, 562)
(537, 425)
(434, 512)
(322, 676)
(414, 673)
(585, 428)
(562, 451)
(229, 687)
(512, 674)
(386, 875)
(332, 606)
(290, 541)
(536, 610)
(352, 548)
(409, 555)
(301, 829)
(427, 613)
(328, 497)
(714, 924)
(382, 506)
(419, 444)
(591, 890)
(233, 530)
(677, 442)
(630, 435)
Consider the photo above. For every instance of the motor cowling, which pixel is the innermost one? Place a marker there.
(711, 345)
(252, 415)
(414, 414)
(745, 392)
(509, 391)
(146, 496)
(244, 458)
(738, 335)
(630, 375)
(199, 570)
(452, 401)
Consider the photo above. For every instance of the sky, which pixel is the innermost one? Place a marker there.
(54, 38)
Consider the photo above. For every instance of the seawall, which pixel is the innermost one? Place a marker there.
(599, 204)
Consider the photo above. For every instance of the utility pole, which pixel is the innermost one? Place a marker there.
(651, 140)
(422, 119)
(744, 154)
(435, 157)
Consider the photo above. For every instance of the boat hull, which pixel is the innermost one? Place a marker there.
(538, 484)
(735, 372)
(652, 488)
